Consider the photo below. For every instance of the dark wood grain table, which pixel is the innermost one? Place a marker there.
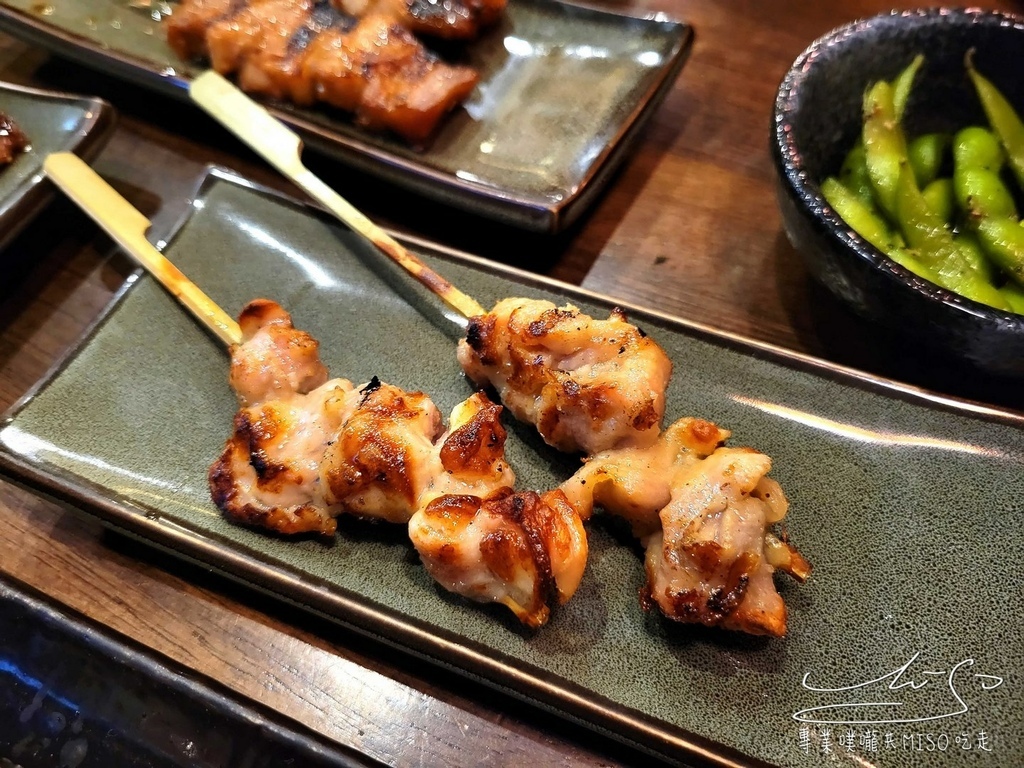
(688, 226)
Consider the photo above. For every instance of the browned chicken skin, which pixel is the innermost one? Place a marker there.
(523, 550)
(587, 385)
(703, 512)
(306, 449)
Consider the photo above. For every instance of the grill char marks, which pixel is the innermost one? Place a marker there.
(308, 51)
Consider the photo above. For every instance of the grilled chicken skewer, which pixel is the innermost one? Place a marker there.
(586, 384)
(307, 51)
(306, 449)
(598, 386)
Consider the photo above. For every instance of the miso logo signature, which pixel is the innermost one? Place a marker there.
(907, 694)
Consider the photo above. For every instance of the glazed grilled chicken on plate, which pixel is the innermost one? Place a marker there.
(586, 384)
(702, 511)
(306, 449)
(306, 51)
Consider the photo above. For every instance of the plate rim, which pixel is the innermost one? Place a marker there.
(34, 193)
(499, 204)
(407, 634)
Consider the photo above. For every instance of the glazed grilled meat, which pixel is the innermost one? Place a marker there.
(305, 51)
(587, 385)
(523, 550)
(703, 512)
(448, 19)
(306, 449)
(391, 459)
(269, 472)
(12, 141)
(382, 74)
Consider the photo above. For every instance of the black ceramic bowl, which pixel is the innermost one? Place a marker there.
(817, 120)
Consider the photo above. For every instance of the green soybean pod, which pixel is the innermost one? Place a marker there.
(903, 84)
(967, 242)
(981, 193)
(1014, 294)
(927, 153)
(885, 147)
(941, 198)
(869, 225)
(1003, 241)
(977, 147)
(1005, 121)
(907, 260)
(854, 174)
(858, 215)
(928, 235)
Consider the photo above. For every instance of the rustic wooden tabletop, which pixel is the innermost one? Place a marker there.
(688, 226)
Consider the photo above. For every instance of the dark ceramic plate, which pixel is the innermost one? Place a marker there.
(908, 506)
(73, 694)
(563, 92)
(53, 122)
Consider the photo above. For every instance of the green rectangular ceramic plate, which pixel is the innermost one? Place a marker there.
(908, 507)
(564, 90)
(53, 122)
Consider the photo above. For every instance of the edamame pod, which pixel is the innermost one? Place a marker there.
(859, 216)
(885, 147)
(869, 225)
(982, 194)
(1003, 241)
(928, 236)
(902, 85)
(967, 242)
(927, 154)
(941, 199)
(977, 147)
(1005, 121)
(854, 174)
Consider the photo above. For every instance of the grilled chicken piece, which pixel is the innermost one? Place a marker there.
(702, 512)
(269, 473)
(587, 385)
(186, 28)
(522, 550)
(447, 19)
(710, 564)
(635, 482)
(390, 458)
(479, 539)
(261, 28)
(380, 462)
(384, 75)
(274, 360)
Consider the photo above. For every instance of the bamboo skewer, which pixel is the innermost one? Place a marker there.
(127, 227)
(282, 148)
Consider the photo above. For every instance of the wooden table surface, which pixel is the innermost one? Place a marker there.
(688, 226)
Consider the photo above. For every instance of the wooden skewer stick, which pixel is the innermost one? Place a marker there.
(282, 148)
(128, 228)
